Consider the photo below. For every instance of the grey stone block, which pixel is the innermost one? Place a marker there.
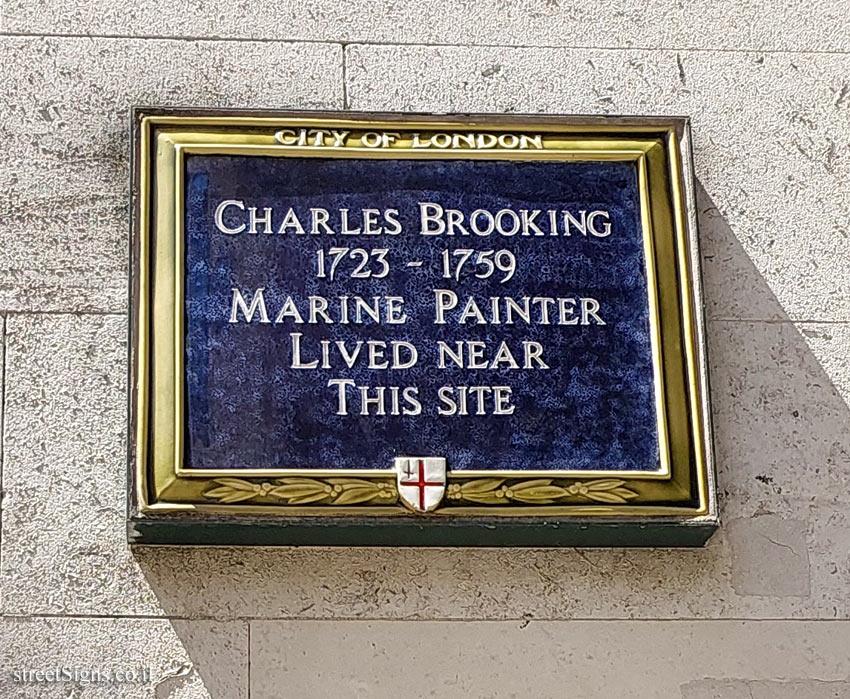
(640, 660)
(64, 470)
(765, 689)
(770, 146)
(64, 145)
(730, 24)
(830, 345)
(781, 426)
(717, 689)
(801, 689)
(829, 537)
(770, 556)
(122, 659)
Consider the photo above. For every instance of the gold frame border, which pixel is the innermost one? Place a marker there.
(223, 147)
(162, 495)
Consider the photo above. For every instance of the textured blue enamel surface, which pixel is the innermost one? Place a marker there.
(593, 409)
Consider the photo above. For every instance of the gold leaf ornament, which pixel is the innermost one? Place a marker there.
(359, 491)
(305, 491)
(233, 490)
(485, 491)
(540, 491)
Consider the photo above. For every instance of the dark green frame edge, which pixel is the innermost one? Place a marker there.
(416, 531)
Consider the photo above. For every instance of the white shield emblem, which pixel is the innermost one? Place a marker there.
(421, 481)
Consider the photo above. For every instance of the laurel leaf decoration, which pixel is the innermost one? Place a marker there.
(539, 494)
(305, 491)
(356, 496)
(360, 491)
(229, 494)
(490, 497)
(237, 484)
(482, 486)
(299, 490)
(540, 491)
(232, 490)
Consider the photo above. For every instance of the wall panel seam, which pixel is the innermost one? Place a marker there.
(419, 44)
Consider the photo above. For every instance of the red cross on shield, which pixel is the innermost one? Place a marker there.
(421, 481)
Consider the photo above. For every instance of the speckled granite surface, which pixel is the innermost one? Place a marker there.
(592, 409)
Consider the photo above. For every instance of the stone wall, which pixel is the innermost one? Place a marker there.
(763, 611)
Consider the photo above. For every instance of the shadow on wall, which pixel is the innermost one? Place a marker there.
(778, 422)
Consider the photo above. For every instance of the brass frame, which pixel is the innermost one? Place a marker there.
(682, 489)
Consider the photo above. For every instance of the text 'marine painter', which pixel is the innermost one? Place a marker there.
(378, 329)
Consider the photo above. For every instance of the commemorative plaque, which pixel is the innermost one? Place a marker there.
(381, 329)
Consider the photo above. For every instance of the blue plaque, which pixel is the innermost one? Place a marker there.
(403, 329)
